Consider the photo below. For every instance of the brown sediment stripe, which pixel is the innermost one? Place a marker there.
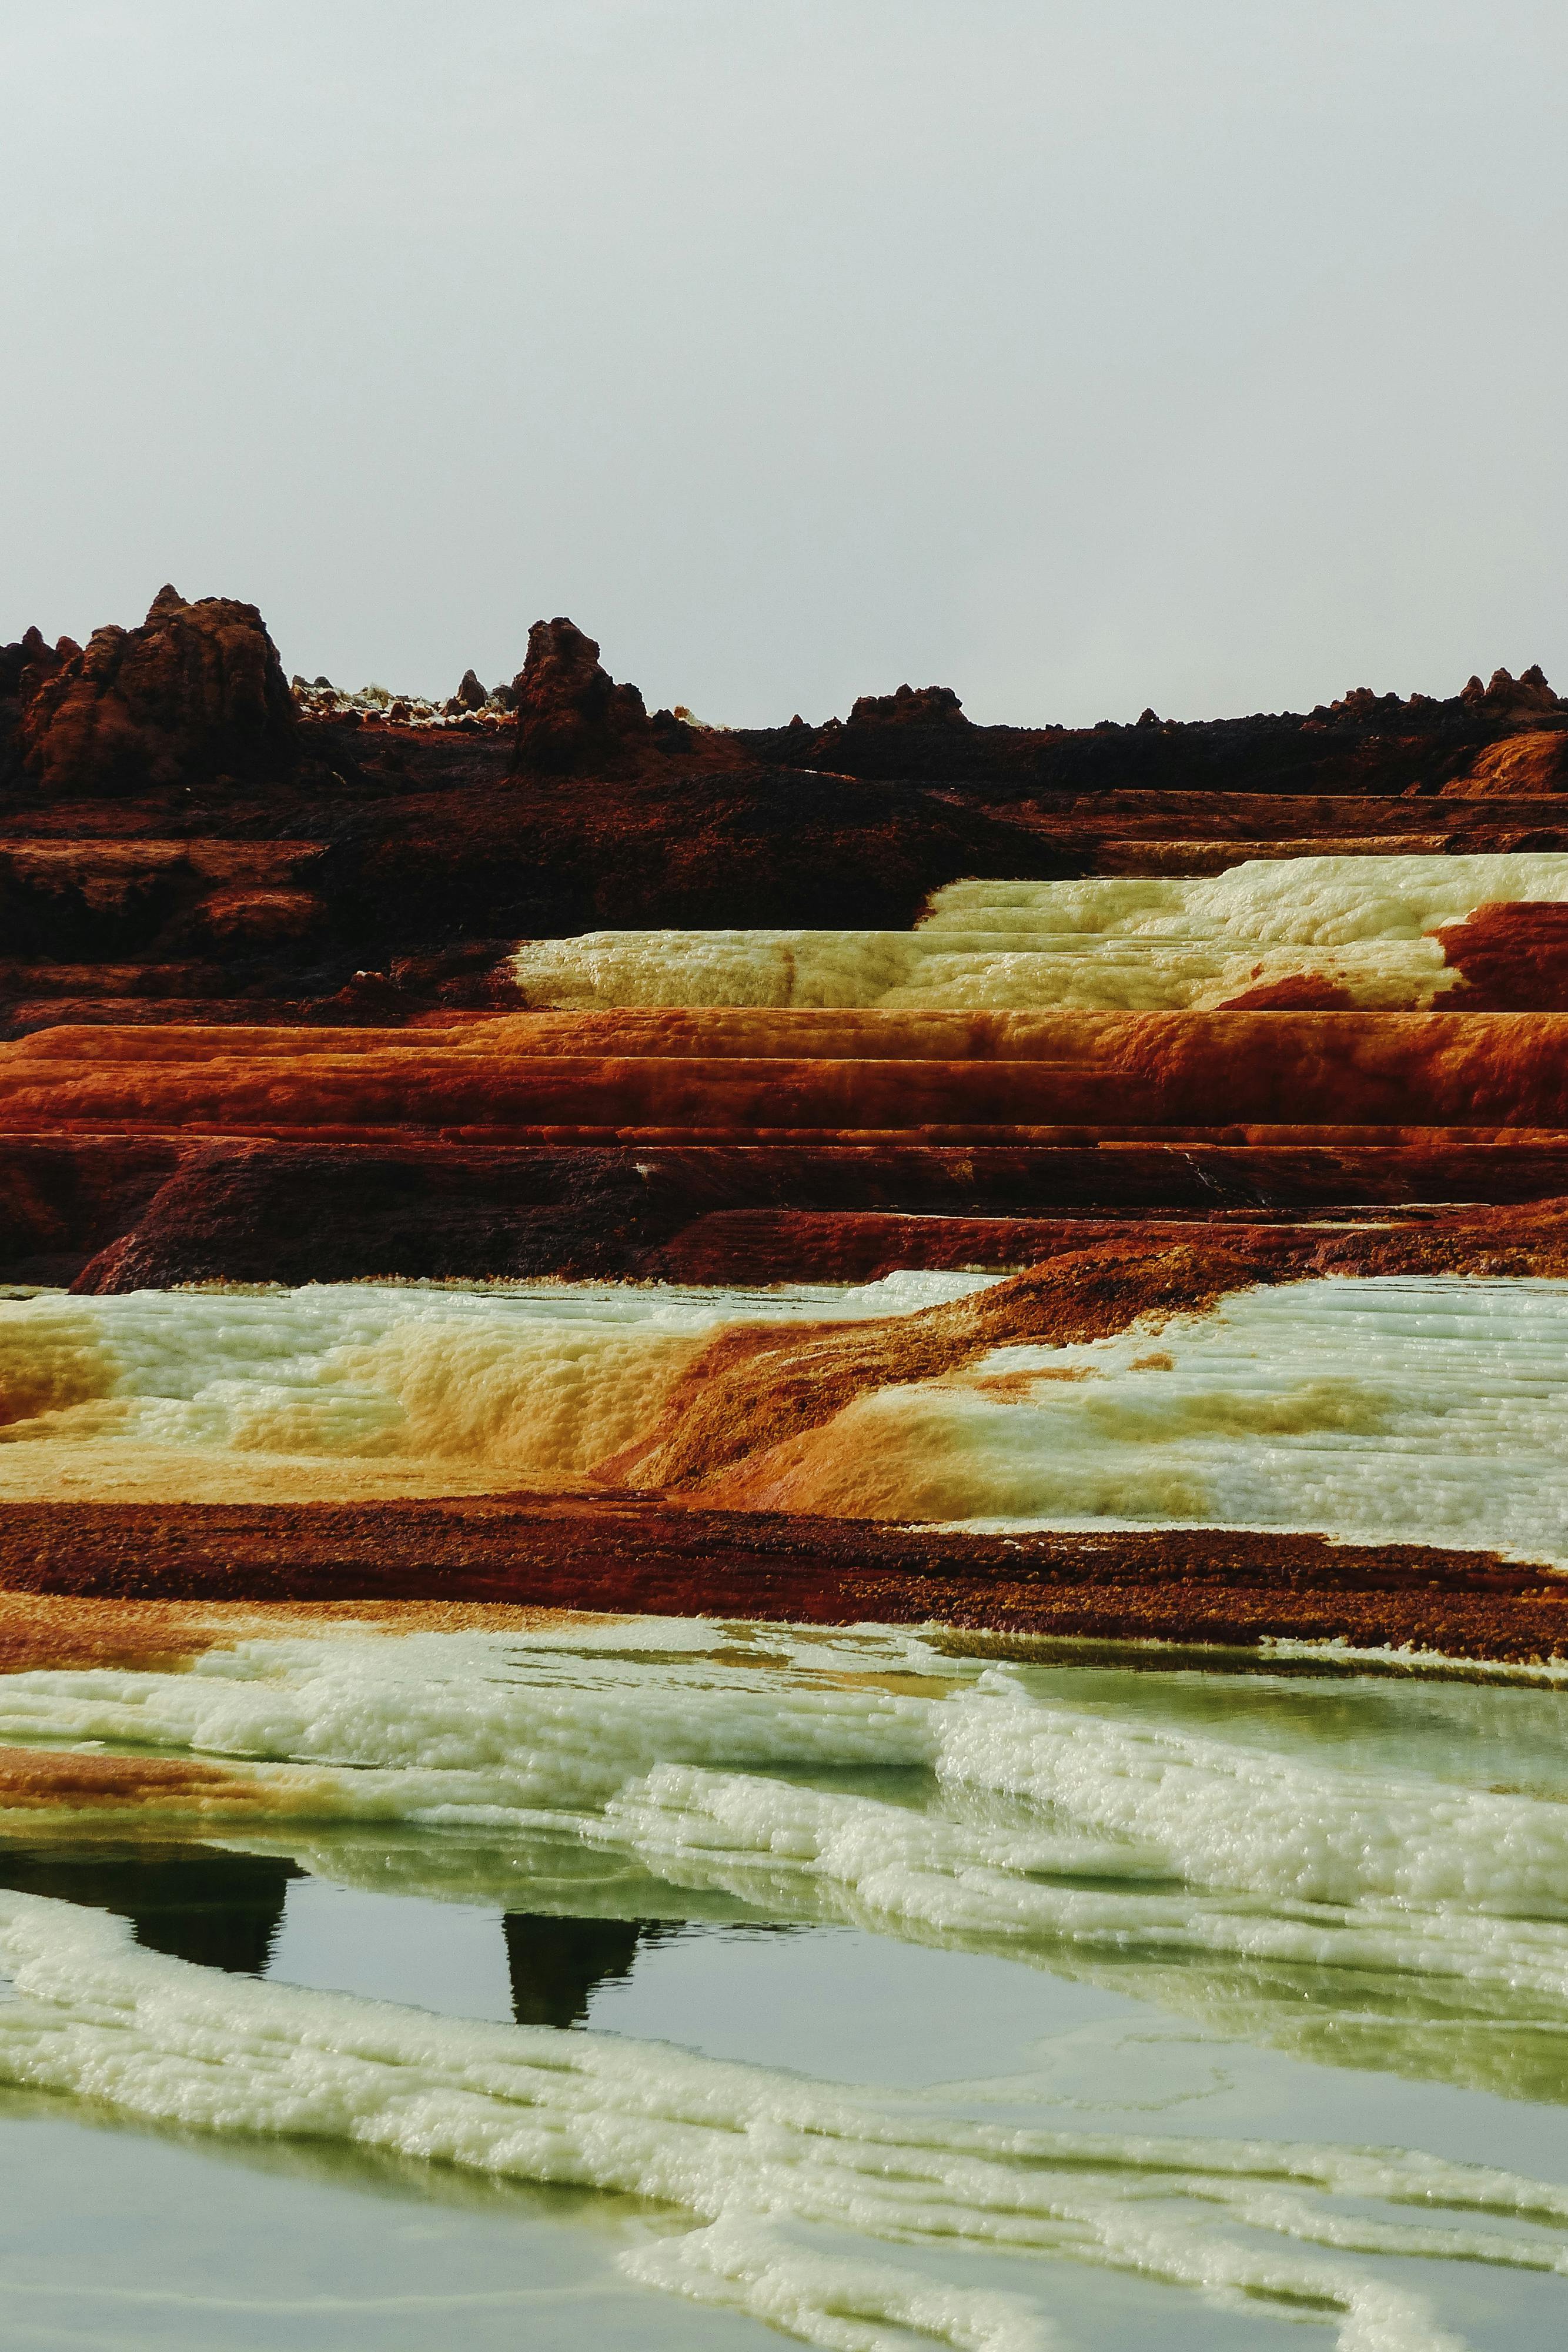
(40, 1780)
(622, 1555)
(44, 1628)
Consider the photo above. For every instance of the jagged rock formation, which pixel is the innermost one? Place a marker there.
(26, 665)
(574, 720)
(197, 691)
(1361, 743)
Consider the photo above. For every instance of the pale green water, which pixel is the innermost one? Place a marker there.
(1367, 2012)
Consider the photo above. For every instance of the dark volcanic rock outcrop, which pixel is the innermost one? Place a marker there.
(196, 692)
(24, 666)
(687, 846)
(274, 1213)
(573, 720)
(1362, 742)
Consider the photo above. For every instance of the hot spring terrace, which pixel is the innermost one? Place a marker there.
(1270, 1161)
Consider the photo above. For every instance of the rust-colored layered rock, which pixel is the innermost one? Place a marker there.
(509, 1147)
(196, 691)
(1519, 767)
(259, 1214)
(1510, 957)
(979, 1077)
(263, 1028)
(64, 1198)
(107, 1211)
(760, 1246)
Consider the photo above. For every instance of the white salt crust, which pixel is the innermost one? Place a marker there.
(1103, 944)
(1178, 1842)
(1063, 1832)
(1398, 1409)
(545, 1380)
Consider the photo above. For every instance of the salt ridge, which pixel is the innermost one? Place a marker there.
(1185, 1842)
(1382, 1408)
(1060, 1831)
(544, 1381)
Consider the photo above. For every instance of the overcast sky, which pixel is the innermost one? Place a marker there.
(1079, 354)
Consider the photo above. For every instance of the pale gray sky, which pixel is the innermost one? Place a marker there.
(1080, 354)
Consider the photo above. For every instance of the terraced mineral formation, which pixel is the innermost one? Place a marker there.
(1238, 1050)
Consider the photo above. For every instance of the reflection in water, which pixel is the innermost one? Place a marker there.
(558, 1965)
(196, 1903)
(223, 1910)
(558, 1962)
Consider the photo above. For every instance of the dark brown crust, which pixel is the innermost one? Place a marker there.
(622, 1555)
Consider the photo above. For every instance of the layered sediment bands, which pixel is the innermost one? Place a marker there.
(1010, 1074)
(495, 1557)
(1361, 927)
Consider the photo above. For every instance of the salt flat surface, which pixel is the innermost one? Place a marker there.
(1105, 944)
(999, 2007)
